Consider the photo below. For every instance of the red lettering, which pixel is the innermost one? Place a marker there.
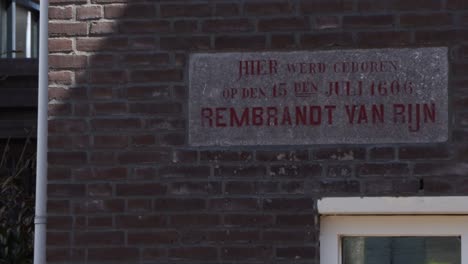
(350, 113)
(257, 116)
(286, 119)
(220, 116)
(429, 113)
(377, 113)
(315, 119)
(362, 118)
(207, 116)
(398, 112)
(244, 120)
(272, 116)
(301, 115)
(330, 109)
(417, 118)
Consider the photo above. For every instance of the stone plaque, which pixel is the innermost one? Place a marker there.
(319, 97)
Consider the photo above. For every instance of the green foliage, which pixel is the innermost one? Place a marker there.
(16, 210)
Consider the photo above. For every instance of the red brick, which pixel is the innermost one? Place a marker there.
(384, 38)
(340, 154)
(186, 26)
(382, 169)
(441, 36)
(234, 236)
(283, 24)
(185, 43)
(153, 254)
(69, 29)
(99, 190)
(100, 222)
(422, 20)
(288, 204)
(283, 41)
(60, 13)
(268, 8)
(246, 253)
(59, 222)
(299, 155)
(141, 157)
(110, 141)
(140, 189)
(457, 4)
(66, 158)
(184, 220)
(185, 10)
(58, 238)
(195, 188)
(289, 236)
(88, 12)
(108, 77)
(143, 140)
(145, 76)
(115, 124)
(410, 153)
(101, 44)
(220, 156)
(296, 171)
(368, 21)
(227, 9)
(296, 252)
(140, 221)
(67, 61)
(234, 204)
(152, 238)
(103, 28)
(340, 171)
(240, 42)
(95, 206)
(417, 5)
(227, 25)
(129, 10)
(327, 22)
(101, 174)
(139, 27)
(60, 77)
(350, 187)
(326, 6)
(148, 92)
(194, 253)
(326, 40)
(66, 190)
(99, 238)
(113, 254)
(145, 59)
(60, 45)
(241, 171)
(58, 207)
(382, 153)
(247, 220)
(153, 108)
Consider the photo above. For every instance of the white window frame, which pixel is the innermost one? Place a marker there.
(390, 216)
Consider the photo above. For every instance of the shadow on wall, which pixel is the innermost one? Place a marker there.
(124, 186)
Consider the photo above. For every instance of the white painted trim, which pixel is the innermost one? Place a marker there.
(28, 36)
(393, 205)
(333, 227)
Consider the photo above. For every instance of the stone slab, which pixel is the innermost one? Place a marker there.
(318, 97)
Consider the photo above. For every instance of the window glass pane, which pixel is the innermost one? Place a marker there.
(34, 34)
(3, 29)
(21, 26)
(401, 250)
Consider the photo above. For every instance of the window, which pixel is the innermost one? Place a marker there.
(416, 230)
(19, 29)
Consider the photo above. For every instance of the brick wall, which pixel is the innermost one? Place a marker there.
(124, 186)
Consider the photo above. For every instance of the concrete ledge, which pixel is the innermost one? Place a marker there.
(393, 205)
